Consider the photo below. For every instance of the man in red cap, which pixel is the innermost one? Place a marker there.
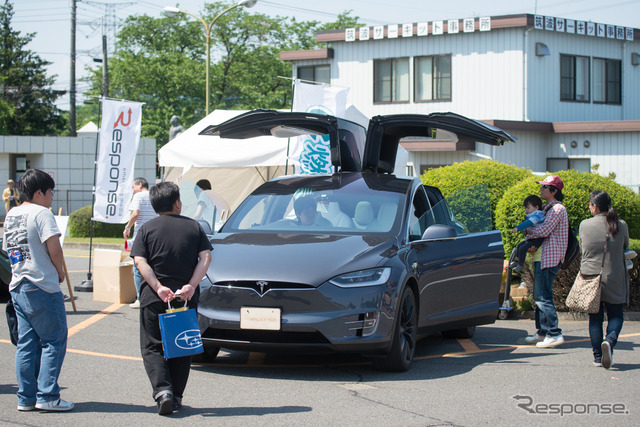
(554, 230)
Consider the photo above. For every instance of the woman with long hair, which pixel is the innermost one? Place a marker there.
(605, 232)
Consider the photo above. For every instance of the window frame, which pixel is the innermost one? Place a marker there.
(434, 78)
(569, 162)
(391, 95)
(606, 81)
(314, 68)
(574, 78)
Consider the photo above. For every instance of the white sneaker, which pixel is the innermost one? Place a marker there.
(135, 304)
(551, 341)
(607, 356)
(25, 408)
(535, 338)
(55, 405)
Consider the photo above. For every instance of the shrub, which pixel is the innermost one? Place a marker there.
(578, 187)
(80, 225)
(498, 177)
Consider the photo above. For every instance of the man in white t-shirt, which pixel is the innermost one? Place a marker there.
(32, 242)
(141, 212)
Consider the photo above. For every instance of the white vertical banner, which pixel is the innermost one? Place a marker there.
(119, 139)
(311, 153)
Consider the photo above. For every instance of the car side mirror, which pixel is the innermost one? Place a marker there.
(439, 232)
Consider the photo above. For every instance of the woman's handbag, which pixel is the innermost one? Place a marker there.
(180, 332)
(584, 296)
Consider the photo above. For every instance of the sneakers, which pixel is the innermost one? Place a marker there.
(55, 405)
(518, 268)
(177, 404)
(535, 338)
(165, 404)
(549, 342)
(25, 408)
(607, 356)
(135, 304)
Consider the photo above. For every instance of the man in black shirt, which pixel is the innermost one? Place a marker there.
(173, 254)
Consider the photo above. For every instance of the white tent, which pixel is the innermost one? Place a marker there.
(234, 167)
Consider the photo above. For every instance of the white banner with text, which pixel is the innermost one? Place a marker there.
(119, 139)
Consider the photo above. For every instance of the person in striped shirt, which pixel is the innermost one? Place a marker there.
(141, 212)
(555, 231)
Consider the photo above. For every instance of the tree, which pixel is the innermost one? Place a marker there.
(26, 98)
(160, 61)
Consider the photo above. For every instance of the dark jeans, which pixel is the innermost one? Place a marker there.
(165, 374)
(524, 246)
(615, 319)
(545, 315)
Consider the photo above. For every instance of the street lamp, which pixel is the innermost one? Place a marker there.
(171, 11)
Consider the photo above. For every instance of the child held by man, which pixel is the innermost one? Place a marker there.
(534, 216)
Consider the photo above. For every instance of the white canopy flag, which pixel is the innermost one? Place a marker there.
(311, 153)
(119, 139)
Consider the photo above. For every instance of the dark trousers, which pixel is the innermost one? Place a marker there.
(166, 375)
(524, 246)
(615, 319)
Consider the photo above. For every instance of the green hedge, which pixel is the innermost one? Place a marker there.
(498, 177)
(80, 225)
(577, 188)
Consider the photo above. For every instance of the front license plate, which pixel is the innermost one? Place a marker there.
(260, 318)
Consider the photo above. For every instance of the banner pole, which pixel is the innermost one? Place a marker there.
(87, 285)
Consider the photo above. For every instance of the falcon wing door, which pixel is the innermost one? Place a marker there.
(385, 132)
(345, 139)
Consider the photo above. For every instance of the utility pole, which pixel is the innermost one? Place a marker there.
(72, 73)
(105, 70)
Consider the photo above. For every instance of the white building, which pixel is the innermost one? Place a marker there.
(70, 161)
(569, 90)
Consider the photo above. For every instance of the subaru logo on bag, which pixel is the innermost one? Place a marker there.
(189, 339)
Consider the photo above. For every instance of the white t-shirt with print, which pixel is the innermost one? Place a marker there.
(141, 202)
(26, 229)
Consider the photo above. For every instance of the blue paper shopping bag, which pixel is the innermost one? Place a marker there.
(180, 333)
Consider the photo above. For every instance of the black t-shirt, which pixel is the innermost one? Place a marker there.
(170, 243)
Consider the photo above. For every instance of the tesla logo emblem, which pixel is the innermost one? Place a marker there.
(262, 285)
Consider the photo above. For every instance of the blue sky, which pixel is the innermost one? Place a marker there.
(50, 19)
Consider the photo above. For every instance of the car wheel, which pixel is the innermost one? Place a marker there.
(403, 347)
(460, 333)
(208, 356)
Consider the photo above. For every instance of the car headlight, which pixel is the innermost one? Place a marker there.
(371, 277)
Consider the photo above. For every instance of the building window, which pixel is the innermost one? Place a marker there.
(432, 78)
(607, 81)
(391, 80)
(563, 164)
(316, 74)
(574, 78)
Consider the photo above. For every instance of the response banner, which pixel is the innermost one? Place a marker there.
(119, 139)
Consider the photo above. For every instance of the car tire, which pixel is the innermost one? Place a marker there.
(403, 346)
(208, 356)
(461, 333)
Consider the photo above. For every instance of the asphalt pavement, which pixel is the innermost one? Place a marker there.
(491, 379)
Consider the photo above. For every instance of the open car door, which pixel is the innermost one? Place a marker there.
(346, 139)
(385, 132)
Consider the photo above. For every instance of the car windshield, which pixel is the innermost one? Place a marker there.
(321, 206)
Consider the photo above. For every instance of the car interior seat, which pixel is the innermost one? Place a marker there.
(363, 216)
(386, 216)
(336, 216)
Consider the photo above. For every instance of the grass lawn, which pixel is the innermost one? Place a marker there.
(116, 240)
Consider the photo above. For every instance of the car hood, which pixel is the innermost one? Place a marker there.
(294, 258)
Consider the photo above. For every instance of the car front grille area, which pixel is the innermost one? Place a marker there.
(268, 337)
(261, 287)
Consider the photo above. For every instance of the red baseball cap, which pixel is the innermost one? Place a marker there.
(552, 180)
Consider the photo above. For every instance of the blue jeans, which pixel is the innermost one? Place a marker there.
(42, 343)
(137, 281)
(615, 319)
(546, 316)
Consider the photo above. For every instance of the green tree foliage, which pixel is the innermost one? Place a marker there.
(26, 98)
(161, 61)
